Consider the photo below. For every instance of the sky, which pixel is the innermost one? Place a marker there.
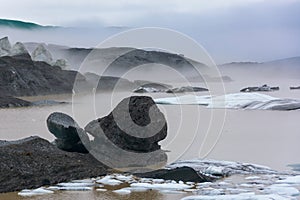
(230, 30)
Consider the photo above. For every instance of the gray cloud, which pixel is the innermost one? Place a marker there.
(230, 30)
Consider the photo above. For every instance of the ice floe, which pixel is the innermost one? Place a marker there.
(162, 186)
(122, 191)
(282, 189)
(254, 182)
(222, 168)
(34, 192)
(234, 101)
(109, 180)
(291, 180)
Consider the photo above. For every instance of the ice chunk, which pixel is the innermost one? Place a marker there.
(252, 177)
(76, 184)
(109, 180)
(5, 47)
(282, 189)
(101, 190)
(42, 54)
(18, 49)
(234, 101)
(291, 180)
(122, 191)
(38, 191)
(162, 186)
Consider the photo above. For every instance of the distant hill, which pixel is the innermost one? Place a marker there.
(288, 62)
(293, 61)
(21, 25)
(287, 67)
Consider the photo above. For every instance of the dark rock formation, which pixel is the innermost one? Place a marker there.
(136, 124)
(8, 102)
(263, 88)
(178, 174)
(34, 162)
(108, 83)
(69, 135)
(295, 88)
(20, 76)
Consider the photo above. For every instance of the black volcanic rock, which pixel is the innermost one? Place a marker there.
(20, 76)
(177, 174)
(34, 162)
(69, 135)
(8, 102)
(295, 88)
(136, 124)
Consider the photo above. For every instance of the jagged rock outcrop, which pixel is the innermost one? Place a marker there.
(42, 54)
(20, 76)
(18, 49)
(5, 47)
(34, 162)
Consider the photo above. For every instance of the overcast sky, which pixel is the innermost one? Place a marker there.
(230, 30)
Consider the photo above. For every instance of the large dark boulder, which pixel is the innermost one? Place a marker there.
(136, 124)
(178, 174)
(34, 162)
(69, 136)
